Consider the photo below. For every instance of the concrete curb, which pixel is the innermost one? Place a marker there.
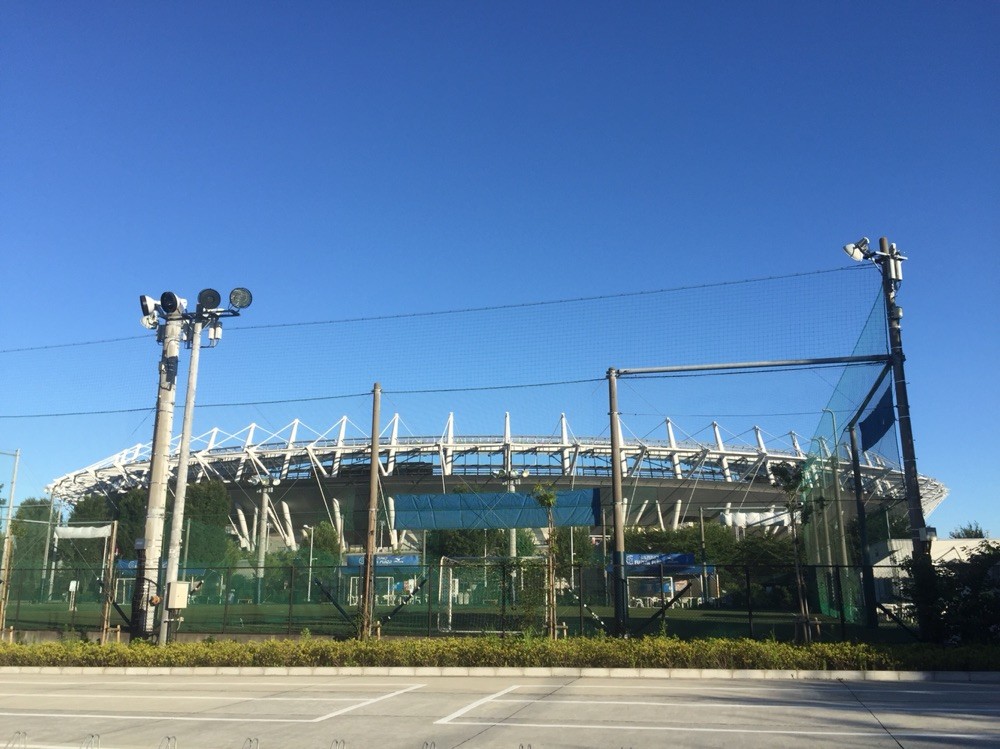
(515, 672)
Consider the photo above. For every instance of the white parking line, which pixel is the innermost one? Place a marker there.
(802, 705)
(477, 703)
(687, 729)
(361, 702)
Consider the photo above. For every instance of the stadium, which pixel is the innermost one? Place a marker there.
(324, 474)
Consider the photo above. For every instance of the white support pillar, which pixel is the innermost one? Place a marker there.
(390, 464)
(289, 445)
(723, 460)
(567, 455)
(675, 459)
(338, 453)
(795, 444)
(448, 446)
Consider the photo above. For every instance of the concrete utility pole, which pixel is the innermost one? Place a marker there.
(172, 309)
(180, 487)
(368, 573)
(147, 572)
(618, 553)
(5, 561)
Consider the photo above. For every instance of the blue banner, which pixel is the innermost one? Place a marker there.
(579, 507)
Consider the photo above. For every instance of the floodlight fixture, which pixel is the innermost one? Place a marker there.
(148, 305)
(170, 303)
(149, 321)
(209, 299)
(240, 298)
(858, 250)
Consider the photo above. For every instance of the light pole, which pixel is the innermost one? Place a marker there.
(266, 484)
(312, 535)
(511, 479)
(168, 318)
(208, 311)
(889, 261)
(5, 562)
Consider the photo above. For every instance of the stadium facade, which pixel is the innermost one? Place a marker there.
(325, 474)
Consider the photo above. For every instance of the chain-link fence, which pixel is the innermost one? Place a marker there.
(469, 597)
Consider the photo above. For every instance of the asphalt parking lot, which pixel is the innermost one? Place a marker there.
(116, 711)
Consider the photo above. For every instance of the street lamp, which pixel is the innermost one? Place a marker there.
(889, 261)
(312, 535)
(511, 479)
(169, 318)
(266, 484)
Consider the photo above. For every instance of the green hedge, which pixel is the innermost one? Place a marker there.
(651, 652)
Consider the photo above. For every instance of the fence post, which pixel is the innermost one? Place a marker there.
(838, 591)
(291, 595)
(504, 584)
(746, 575)
(225, 597)
(430, 589)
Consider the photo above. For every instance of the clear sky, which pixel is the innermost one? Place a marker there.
(356, 159)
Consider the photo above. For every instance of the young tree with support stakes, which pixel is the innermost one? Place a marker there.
(789, 479)
(546, 498)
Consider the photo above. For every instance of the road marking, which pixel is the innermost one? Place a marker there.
(366, 703)
(681, 729)
(477, 703)
(889, 707)
(178, 697)
(361, 702)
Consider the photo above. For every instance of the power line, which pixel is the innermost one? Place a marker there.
(464, 310)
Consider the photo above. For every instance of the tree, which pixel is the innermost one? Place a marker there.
(719, 542)
(546, 499)
(467, 542)
(965, 596)
(969, 530)
(789, 479)
(206, 514)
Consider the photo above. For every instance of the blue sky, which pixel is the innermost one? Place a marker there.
(347, 160)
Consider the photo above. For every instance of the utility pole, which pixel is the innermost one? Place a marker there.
(147, 571)
(618, 558)
(368, 573)
(180, 487)
(890, 264)
(5, 562)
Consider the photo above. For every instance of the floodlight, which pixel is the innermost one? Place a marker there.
(240, 298)
(149, 321)
(147, 304)
(209, 299)
(858, 250)
(170, 303)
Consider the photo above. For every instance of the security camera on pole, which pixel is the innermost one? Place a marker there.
(168, 317)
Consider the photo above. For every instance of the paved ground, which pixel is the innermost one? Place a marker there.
(306, 712)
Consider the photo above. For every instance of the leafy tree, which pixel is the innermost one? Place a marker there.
(467, 542)
(326, 545)
(969, 530)
(206, 513)
(719, 542)
(29, 532)
(789, 479)
(965, 596)
(760, 549)
(546, 499)
(584, 554)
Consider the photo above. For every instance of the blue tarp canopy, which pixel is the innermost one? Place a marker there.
(501, 510)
